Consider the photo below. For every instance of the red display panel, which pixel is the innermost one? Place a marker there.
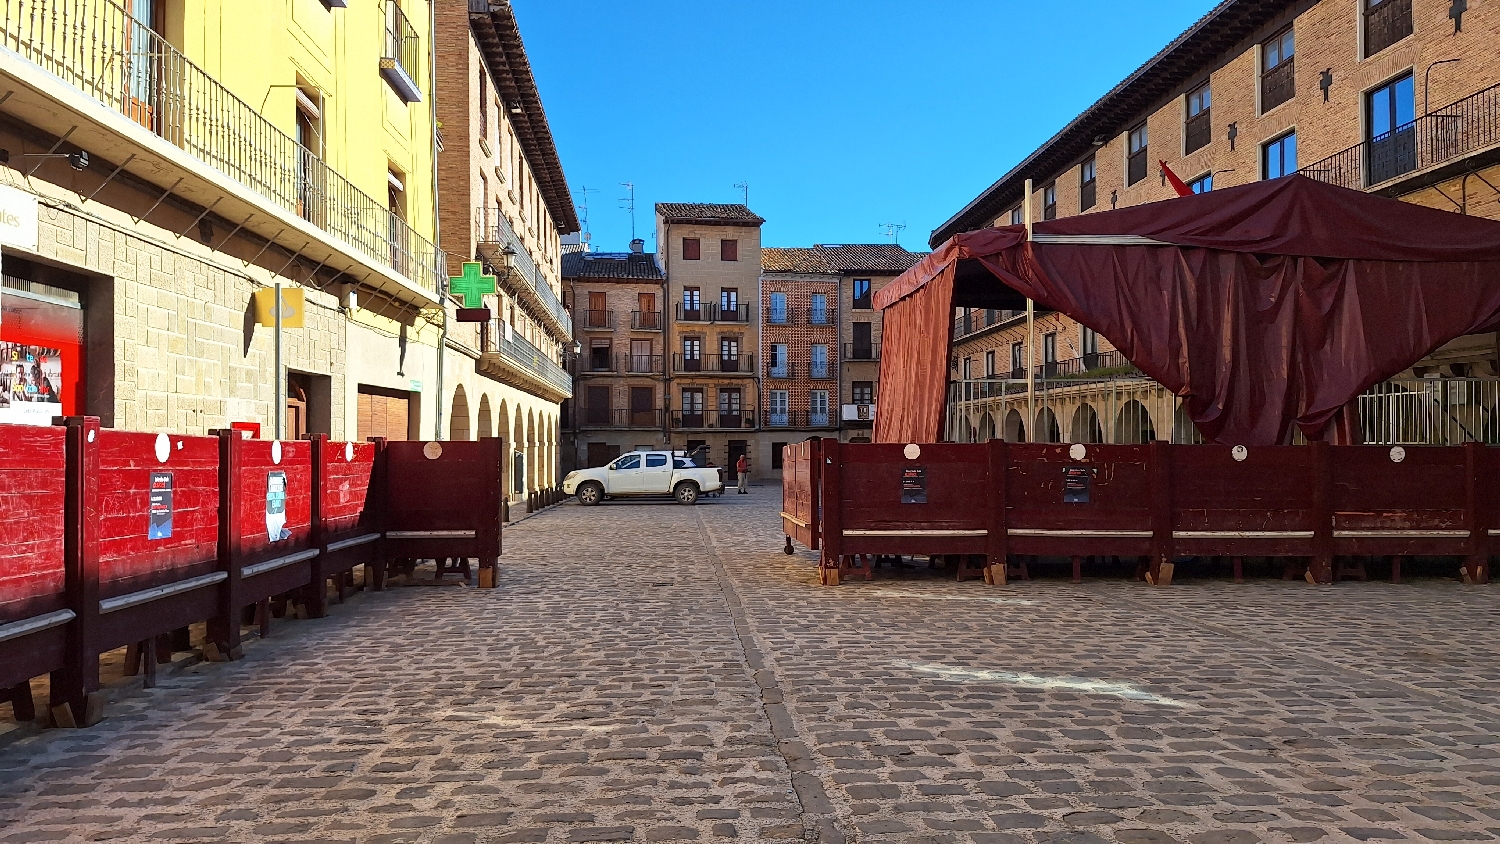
(274, 503)
(349, 473)
(41, 358)
(131, 554)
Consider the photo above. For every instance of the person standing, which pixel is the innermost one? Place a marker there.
(742, 468)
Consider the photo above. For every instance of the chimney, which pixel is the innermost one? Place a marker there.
(638, 246)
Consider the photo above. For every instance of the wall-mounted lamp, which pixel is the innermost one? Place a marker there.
(77, 160)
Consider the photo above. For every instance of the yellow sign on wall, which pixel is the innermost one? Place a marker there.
(292, 303)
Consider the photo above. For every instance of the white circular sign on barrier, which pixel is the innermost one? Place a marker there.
(1239, 453)
(276, 452)
(348, 452)
(912, 451)
(433, 450)
(163, 448)
(1078, 452)
(91, 435)
(1398, 454)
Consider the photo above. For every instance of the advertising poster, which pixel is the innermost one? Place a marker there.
(160, 507)
(276, 507)
(1078, 483)
(30, 377)
(914, 485)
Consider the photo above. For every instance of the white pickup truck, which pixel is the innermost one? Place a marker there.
(644, 473)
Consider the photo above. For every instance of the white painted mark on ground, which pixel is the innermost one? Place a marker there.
(931, 596)
(1081, 685)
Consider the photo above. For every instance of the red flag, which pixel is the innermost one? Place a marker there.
(1177, 184)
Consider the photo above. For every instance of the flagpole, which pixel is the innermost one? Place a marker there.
(1030, 332)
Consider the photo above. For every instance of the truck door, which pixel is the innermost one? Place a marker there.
(656, 478)
(624, 475)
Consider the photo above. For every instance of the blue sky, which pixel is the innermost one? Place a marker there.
(841, 115)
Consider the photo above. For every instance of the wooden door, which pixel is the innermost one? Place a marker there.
(383, 414)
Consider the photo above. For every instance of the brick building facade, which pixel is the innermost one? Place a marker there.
(1398, 97)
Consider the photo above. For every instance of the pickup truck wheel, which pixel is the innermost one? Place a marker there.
(590, 494)
(686, 493)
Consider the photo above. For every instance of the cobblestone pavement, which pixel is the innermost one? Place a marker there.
(652, 672)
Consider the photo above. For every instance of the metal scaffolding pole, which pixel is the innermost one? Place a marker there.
(1030, 334)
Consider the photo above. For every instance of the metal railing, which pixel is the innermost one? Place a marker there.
(733, 313)
(497, 229)
(596, 320)
(743, 364)
(698, 313)
(857, 351)
(819, 371)
(522, 354)
(779, 316)
(976, 321)
(618, 417)
(718, 419)
(1457, 129)
(97, 47)
(645, 320)
(1431, 411)
(781, 369)
(402, 44)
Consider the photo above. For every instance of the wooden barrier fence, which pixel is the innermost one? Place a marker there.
(999, 503)
(114, 538)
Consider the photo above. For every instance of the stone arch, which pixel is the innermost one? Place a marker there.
(1085, 427)
(1047, 429)
(965, 429)
(1133, 425)
(1183, 430)
(459, 424)
(987, 430)
(531, 456)
(486, 427)
(517, 446)
(1015, 427)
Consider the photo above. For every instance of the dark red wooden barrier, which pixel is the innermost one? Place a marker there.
(801, 483)
(347, 513)
(1158, 502)
(444, 500)
(34, 614)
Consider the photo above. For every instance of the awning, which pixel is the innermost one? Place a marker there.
(1264, 307)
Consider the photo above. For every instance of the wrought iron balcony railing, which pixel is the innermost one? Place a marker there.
(798, 419)
(1458, 129)
(494, 228)
(596, 320)
(716, 419)
(861, 351)
(401, 62)
(740, 364)
(780, 369)
(523, 355)
(618, 417)
(645, 320)
(98, 48)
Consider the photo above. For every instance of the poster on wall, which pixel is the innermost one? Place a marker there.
(30, 377)
(1078, 482)
(160, 507)
(276, 507)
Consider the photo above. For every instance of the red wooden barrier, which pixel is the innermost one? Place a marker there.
(346, 509)
(34, 613)
(801, 480)
(444, 500)
(1161, 502)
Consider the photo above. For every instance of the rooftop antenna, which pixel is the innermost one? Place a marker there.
(745, 190)
(583, 207)
(629, 205)
(893, 231)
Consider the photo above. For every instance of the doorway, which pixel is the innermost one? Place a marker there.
(736, 449)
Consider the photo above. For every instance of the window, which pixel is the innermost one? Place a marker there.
(778, 408)
(1278, 73)
(1390, 114)
(656, 461)
(1088, 341)
(968, 369)
(861, 293)
(778, 362)
(692, 249)
(692, 407)
(1386, 22)
(1279, 157)
(599, 356)
(819, 361)
(864, 392)
(1017, 216)
(1199, 129)
(1049, 202)
(629, 461)
(640, 356)
(729, 250)
(729, 302)
(1136, 165)
(729, 354)
(692, 348)
(1087, 185)
(484, 101)
(730, 402)
(817, 406)
(864, 346)
(819, 313)
(1202, 184)
(1049, 347)
(778, 314)
(692, 303)
(1017, 361)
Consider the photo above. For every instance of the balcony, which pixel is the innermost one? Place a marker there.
(781, 369)
(732, 313)
(717, 364)
(714, 420)
(694, 312)
(799, 420)
(402, 59)
(858, 413)
(645, 320)
(596, 320)
(861, 351)
(712, 313)
(618, 417)
(779, 316)
(622, 363)
(976, 321)
(1386, 22)
(819, 371)
(1435, 146)
(171, 117)
(520, 276)
(510, 359)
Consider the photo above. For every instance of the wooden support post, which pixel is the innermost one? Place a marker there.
(1476, 515)
(22, 704)
(833, 508)
(1396, 569)
(76, 700)
(224, 628)
(1159, 573)
(995, 568)
(1239, 569)
(147, 650)
(315, 595)
(488, 534)
(1077, 569)
(1320, 568)
(263, 617)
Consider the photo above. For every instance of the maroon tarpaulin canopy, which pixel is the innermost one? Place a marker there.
(1264, 306)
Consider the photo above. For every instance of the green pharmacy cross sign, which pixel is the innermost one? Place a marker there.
(472, 286)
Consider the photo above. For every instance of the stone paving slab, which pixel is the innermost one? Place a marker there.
(652, 672)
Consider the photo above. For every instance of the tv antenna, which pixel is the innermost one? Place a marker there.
(893, 231)
(629, 204)
(583, 208)
(745, 191)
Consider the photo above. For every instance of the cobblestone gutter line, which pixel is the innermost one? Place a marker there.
(819, 819)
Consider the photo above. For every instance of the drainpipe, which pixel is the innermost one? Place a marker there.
(437, 229)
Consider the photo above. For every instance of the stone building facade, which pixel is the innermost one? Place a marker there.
(1396, 97)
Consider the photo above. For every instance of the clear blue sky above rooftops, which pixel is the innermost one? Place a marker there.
(841, 115)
